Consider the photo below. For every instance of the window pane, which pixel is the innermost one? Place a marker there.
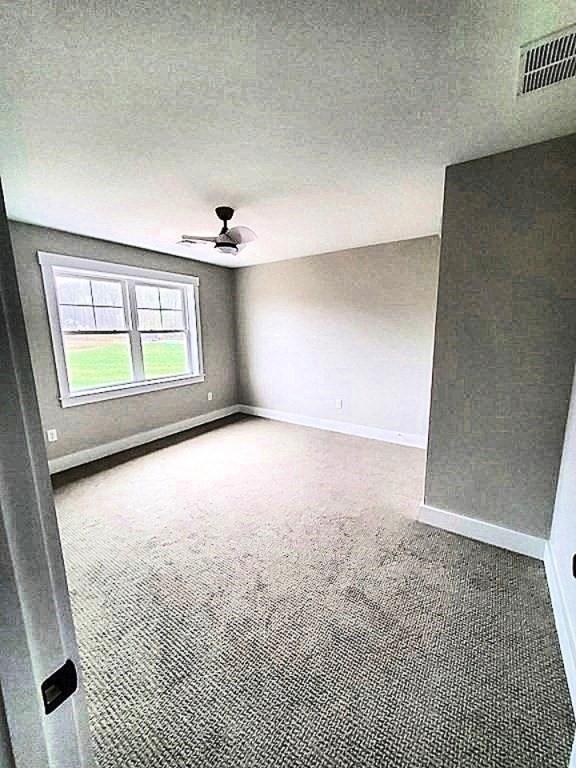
(165, 354)
(107, 293)
(73, 290)
(110, 319)
(94, 360)
(77, 318)
(149, 320)
(172, 320)
(147, 297)
(170, 298)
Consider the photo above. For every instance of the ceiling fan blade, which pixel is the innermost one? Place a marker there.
(241, 235)
(192, 239)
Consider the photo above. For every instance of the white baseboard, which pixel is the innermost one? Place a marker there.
(523, 543)
(564, 626)
(332, 425)
(107, 449)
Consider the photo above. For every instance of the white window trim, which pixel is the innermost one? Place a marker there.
(55, 263)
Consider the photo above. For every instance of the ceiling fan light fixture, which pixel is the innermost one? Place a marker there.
(227, 248)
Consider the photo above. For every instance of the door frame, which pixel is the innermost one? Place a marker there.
(38, 633)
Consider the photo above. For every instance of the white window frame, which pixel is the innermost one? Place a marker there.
(53, 264)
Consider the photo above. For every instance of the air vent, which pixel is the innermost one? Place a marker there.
(548, 61)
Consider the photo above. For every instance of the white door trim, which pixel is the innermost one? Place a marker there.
(39, 634)
(562, 620)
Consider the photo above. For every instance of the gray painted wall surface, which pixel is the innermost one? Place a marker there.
(354, 325)
(505, 336)
(86, 426)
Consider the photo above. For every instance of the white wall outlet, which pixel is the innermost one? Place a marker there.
(52, 435)
(210, 395)
(339, 404)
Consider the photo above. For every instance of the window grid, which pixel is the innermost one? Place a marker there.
(176, 303)
(93, 306)
(161, 312)
(132, 324)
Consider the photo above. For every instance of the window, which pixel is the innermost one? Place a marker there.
(119, 330)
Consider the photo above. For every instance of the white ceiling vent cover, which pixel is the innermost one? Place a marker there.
(547, 61)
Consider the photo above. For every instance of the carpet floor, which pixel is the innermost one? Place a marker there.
(257, 595)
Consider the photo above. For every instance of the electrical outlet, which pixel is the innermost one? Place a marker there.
(52, 435)
(339, 404)
(210, 395)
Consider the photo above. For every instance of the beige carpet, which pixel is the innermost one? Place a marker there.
(258, 596)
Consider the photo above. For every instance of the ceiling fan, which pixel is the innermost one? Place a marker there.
(229, 240)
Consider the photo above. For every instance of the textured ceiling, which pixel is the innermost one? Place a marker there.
(327, 125)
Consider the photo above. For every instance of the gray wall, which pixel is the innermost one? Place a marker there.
(354, 325)
(505, 335)
(90, 425)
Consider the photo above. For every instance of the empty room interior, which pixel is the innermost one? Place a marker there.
(289, 328)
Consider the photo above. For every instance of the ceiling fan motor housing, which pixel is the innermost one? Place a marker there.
(224, 212)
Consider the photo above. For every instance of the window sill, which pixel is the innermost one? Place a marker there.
(125, 390)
